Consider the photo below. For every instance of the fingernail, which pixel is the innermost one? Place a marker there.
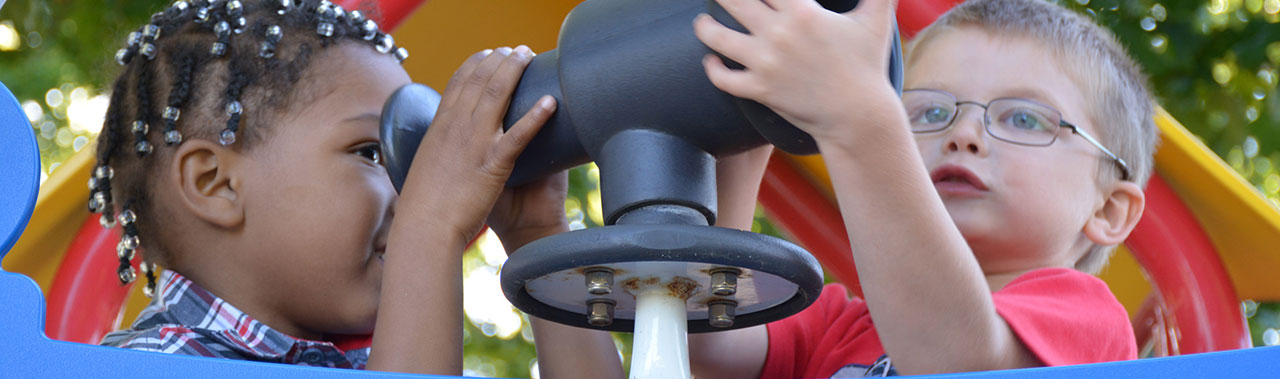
(504, 50)
(524, 50)
(486, 52)
(547, 102)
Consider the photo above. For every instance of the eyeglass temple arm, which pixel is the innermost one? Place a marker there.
(1124, 167)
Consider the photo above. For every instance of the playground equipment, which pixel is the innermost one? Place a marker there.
(633, 97)
(1240, 227)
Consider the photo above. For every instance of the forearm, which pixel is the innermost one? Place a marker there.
(419, 324)
(925, 290)
(738, 186)
(565, 351)
(738, 353)
(570, 352)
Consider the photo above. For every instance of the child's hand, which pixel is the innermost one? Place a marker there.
(820, 70)
(465, 157)
(531, 211)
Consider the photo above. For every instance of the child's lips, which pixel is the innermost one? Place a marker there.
(953, 180)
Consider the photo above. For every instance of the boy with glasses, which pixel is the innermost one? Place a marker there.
(977, 202)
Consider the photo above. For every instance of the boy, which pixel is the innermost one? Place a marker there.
(975, 201)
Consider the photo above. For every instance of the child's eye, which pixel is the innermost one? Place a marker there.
(931, 115)
(372, 152)
(936, 115)
(1026, 120)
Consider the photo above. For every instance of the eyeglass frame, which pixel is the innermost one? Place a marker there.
(986, 125)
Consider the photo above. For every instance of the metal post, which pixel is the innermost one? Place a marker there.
(660, 348)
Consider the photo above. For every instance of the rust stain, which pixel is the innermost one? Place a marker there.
(682, 287)
(634, 285)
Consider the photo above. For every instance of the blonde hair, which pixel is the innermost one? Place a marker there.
(1120, 105)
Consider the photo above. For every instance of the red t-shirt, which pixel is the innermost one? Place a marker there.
(1063, 316)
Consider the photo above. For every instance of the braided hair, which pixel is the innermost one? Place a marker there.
(222, 69)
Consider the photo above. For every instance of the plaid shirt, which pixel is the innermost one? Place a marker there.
(186, 319)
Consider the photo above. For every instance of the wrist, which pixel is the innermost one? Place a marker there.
(862, 132)
(513, 240)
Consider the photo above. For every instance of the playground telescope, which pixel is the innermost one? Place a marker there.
(634, 98)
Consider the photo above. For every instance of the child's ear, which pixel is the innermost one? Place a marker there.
(208, 181)
(1120, 211)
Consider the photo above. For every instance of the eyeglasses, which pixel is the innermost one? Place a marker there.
(1010, 119)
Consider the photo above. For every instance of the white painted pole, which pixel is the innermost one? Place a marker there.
(660, 348)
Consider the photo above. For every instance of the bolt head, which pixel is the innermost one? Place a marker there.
(724, 282)
(721, 312)
(600, 312)
(599, 281)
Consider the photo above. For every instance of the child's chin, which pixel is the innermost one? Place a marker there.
(969, 219)
(975, 230)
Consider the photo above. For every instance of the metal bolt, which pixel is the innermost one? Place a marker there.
(724, 281)
(600, 312)
(720, 312)
(599, 281)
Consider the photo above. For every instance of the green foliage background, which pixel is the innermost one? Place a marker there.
(1213, 65)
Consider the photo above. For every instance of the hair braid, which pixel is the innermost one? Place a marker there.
(183, 66)
(264, 47)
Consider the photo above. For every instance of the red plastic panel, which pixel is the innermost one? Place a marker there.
(389, 12)
(914, 15)
(1188, 274)
(812, 221)
(86, 296)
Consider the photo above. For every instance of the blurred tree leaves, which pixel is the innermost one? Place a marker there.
(68, 41)
(64, 45)
(1213, 65)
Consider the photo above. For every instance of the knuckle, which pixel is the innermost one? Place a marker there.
(780, 30)
(495, 89)
(477, 79)
(807, 14)
(766, 63)
(708, 34)
(517, 139)
(496, 166)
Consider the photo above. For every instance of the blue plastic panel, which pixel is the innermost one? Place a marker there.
(19, 170)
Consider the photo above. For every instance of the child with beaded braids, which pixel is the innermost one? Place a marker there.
(262, 195)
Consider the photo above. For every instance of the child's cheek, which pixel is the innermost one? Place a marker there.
(928, 149)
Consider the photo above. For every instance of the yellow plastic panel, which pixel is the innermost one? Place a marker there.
(1243, 225)
(61, 208)
(441, 34)
(1127, 280)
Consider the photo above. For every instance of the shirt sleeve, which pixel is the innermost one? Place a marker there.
(831, 333)
(1066, 317)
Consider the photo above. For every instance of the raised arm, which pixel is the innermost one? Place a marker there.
(569, 352)
(523, 215)
(738, 353)
(463, 163)
(825, 72)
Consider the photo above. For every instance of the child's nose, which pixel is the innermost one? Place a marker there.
(967, 134)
